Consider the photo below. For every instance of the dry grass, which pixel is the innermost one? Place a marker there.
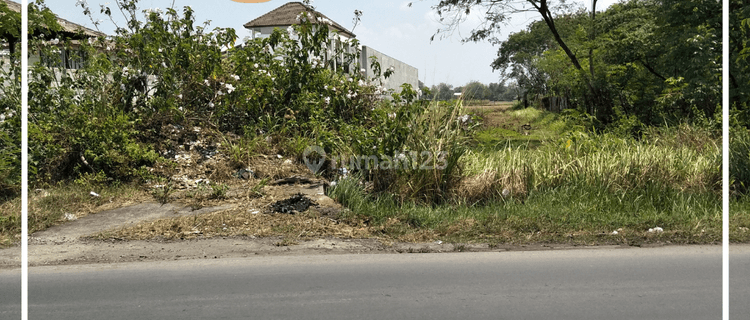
(242, 221)
(10, 222)
(47, 207)
(489, 185)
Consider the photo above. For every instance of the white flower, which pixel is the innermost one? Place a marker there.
(328, 100)
(163, 64)
(179, 96)
(160, 49)
(230, 88)
(206, 82)
(210, 104)
(255, 65)
(392, 115)
(236, 77)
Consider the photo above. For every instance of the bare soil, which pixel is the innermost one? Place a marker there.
(151, 232)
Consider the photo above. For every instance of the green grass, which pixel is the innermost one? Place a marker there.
(503, 127)
(10, 221)
(566, 214)
(560, 184)
(739, 219)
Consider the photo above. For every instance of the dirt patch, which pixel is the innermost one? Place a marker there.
(131, 215)
(93, 252)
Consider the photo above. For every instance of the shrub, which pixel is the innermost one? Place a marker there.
(107, 116)
(739, 159)
(10, 126)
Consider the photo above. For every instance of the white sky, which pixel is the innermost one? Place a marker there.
(389, 26)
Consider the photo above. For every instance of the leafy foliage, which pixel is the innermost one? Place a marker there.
(652, 61)
(10, 104)
(162, 68)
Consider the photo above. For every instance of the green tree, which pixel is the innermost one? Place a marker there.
(739, 62)
(475, 90)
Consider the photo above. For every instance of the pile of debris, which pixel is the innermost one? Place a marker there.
(294, 204)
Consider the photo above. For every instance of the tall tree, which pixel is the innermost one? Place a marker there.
(739, 61)
(498, 13)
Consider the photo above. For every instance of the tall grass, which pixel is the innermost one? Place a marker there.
(583, 184)
(439, 135)
(604, 161)
(739, 160)
(552, 214)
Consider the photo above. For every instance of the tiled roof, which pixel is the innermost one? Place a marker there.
(286, 15)
(15, 6)
(68, 27)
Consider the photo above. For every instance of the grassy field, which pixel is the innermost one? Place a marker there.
(528, 176)
(10, 222)
(531, 177)
(739, 219)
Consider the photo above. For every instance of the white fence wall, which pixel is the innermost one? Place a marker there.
(403, 73)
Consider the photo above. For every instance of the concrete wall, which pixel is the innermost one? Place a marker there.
(403, 72)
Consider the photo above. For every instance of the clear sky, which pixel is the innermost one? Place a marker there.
(389, 26)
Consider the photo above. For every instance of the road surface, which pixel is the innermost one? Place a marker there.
(631, 283)
(10, 294)
(739, 281)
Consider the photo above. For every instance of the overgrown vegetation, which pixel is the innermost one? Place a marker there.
(10, 125)
(739, 120)
(615, 164)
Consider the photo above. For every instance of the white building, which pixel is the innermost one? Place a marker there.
(287, 14)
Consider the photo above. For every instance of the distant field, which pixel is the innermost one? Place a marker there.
(489, 104)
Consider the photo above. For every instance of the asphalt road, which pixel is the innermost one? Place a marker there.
(655, 283)
(739, 282)
(10, 294)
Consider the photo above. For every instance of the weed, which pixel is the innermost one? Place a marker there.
(219, 190)
(285, 242)
(257, 190)
(163, 192)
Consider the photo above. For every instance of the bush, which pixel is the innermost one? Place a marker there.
(739, 159)
(108, 115)
(10, 127)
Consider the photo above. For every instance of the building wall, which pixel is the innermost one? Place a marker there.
(403, 73)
